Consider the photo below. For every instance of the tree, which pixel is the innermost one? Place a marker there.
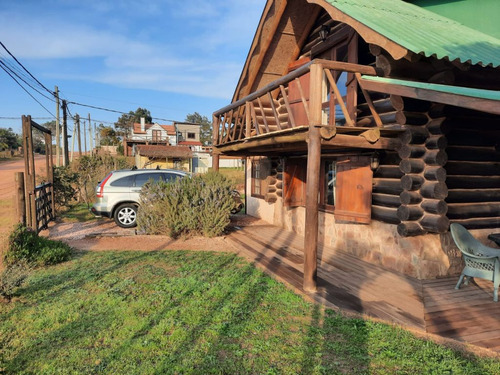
(126, 121)
(107, 136)
(205, 128)
(9, 140)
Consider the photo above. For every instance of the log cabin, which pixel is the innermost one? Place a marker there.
(371, 126)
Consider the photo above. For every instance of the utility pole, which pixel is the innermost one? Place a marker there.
(90, 137)
(75, 130)
(65, 133)
(77, 126)
(85, 137)
(58, 135)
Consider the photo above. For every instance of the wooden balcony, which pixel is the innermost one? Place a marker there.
(277, 117)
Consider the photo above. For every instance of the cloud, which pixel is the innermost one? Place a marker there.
(193, 47)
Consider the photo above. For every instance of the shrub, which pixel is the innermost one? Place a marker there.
(198, 205)
(65, 181)
(13, 277)
(26, 246)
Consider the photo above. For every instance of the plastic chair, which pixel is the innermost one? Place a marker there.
(480, 260)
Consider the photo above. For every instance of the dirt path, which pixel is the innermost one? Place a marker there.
(7, 195)
(104, 234)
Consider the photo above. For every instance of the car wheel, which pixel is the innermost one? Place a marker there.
(126, 215)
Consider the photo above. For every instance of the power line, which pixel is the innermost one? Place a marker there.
(26, 70)
(22, 79)
(6, 71)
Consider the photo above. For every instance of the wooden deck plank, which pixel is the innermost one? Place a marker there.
(346, 282)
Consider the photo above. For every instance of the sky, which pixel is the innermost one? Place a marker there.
(172, 57)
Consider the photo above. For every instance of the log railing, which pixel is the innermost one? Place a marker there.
(271, 109)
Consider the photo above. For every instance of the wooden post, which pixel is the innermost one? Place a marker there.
(312, 182)
(29, 168)
(91, 146)
(20, 198)
(65, 133)
(50, 171)
(248, 120)
(215, 154)
(58, 136)
(77, 127)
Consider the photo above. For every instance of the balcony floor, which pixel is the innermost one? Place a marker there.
(467, 315)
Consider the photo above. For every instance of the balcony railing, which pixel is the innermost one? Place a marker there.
(149, 139)
(297, 100)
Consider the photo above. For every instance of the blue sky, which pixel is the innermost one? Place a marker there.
(171, 57)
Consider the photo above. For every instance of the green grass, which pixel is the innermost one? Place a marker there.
(235, 175)
(78, 213)
(182, 312)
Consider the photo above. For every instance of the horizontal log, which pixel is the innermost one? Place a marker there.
(470, 168)
(438, 126)
(409, 213)
(473, 195)
(434, 190)
(473, 182)
(387, 186)
(443, 78)
(443, 110)
(463, 137)
(271, 197)
(436, 142)
(412, 165)
(435, 223)
(414, 135)
(386, 200)
(467, 153)
(389, 157)
(400, 103)
(410, 197)
(403, 68)
(435, 206)
(479, 223)
(473, 122)
(388, 171)
(411, 118)
(381, 106)
(470, 210)
(411, 151)
(385, 214)
(410, 229)
(435, 173)
(435, 157)
(412, 182)
(368, 121)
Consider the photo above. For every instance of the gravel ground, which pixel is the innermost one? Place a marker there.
(104, 234)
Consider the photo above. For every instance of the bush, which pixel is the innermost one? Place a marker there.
(65, 181)
(26, 246)
(198, 205)
(13, 277)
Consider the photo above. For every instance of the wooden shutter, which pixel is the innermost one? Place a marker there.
(294, 184)
(354, 190)
(294, 95)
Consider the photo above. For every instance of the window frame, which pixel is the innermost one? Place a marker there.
(258, 177)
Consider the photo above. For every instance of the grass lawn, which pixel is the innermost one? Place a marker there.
(79, 212)
(183, 312)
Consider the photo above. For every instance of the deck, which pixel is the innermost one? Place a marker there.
(346, 282)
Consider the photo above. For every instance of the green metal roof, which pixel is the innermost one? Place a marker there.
(457, 90)
(477, 99)
(422, 31)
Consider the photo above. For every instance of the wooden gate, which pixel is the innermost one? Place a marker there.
(40, 204)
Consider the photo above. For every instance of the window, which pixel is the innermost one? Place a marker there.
(156, 135)
(122, 182)
(260, 171)
(191, 135)
(142, 178)
(328, 184)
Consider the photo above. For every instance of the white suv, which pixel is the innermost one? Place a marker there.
(118, 194)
